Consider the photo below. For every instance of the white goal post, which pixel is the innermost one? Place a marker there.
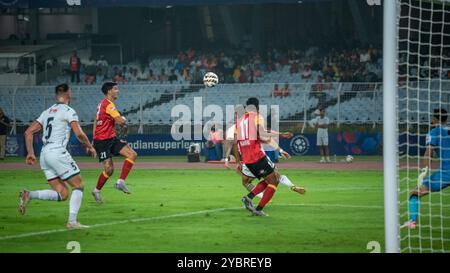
(416, 84)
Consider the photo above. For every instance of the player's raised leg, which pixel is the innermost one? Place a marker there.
(108, 170)
(59, 192)
(130, 157)
(75, 201)
(437, 181)
(287, 182)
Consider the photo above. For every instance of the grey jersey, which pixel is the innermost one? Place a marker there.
(55, 123)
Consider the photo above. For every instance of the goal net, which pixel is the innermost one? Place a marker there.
(423, 85)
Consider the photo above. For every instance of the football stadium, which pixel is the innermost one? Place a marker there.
(157, 126)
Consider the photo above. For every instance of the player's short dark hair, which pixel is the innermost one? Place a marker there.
(108, 86)
(253, 101)
(61, 89)
(440, 114)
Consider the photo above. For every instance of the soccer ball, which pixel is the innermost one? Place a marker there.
(349, 159)
(210, 79)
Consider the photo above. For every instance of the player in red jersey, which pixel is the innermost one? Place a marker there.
(106, 142)
(247, 176)
(250, 134)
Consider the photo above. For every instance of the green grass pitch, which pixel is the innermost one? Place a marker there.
(199, 211)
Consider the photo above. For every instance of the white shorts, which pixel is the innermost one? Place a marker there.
(58, 163)
(322, 140)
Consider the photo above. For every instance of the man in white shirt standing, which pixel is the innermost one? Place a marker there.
(321, 124)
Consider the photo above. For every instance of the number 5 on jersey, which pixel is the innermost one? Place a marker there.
(48, 128)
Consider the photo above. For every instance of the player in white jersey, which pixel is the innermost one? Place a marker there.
(56, 162)
(321, 124)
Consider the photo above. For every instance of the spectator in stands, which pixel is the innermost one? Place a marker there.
(307, 73)
(294, 68)
(286, 91)
(142, 75)
(91, 71)
(125, 72)
(364, 56)
(276, 92)
(5, 123)
(133, 75)
(103, 64)
(74, 67)
(187, 74)
(151, 76)
(163, 77)
(243, 76)
(196, 76)
(119, 78)
(257, 73)
(173, 77)
(237, 73)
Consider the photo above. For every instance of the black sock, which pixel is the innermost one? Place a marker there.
(258, 208)
(250, 195)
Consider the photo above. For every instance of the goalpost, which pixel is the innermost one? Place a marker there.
(416, 65)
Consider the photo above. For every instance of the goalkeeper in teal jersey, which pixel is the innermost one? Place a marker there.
(438, 139)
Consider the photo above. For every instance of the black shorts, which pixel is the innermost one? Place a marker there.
(108, 148)
(261, 168)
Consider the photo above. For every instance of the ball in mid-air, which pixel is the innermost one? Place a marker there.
(349, 159)
(210, 79)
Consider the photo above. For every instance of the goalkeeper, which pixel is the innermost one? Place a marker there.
(438, 140)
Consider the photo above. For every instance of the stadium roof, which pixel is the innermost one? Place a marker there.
(134, 3)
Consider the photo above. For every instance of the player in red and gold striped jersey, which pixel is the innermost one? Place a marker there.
(242, 170)
(250, 134)
(106, 142)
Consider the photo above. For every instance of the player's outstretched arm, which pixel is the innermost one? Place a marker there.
(81, 136)
(34, 128)
(426, 160)
(277, 147)
(121, 120)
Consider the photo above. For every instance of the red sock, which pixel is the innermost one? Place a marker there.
(260, 187)
(102, 180)
(126, 168)
(268, 194)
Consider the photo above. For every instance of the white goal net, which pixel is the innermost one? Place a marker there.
(423, 85)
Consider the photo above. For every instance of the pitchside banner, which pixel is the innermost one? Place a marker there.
(344, 143)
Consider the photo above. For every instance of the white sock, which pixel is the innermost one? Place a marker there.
(328, 158)
(323, 158)
(96, 190)
(49, 195)
(75, 204)
(120, 181)
(285, 181)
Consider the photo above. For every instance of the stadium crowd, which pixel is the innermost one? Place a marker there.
(240, 66)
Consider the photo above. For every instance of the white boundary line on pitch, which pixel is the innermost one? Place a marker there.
(31, 234)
